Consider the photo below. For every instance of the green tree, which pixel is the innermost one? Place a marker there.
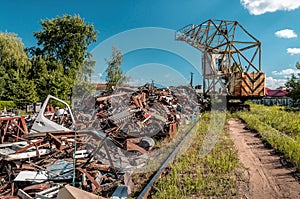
(49, 78)
(3, 79)
(14, 70)
(84, 83)
(22, 89)
(65, 40)
(114, 72)
(40, 76)
(293, 85)
(87, 68)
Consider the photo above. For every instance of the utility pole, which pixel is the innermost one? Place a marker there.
(152, 86)
(191, 83)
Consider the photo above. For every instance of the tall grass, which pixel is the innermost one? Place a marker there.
(263, 120)
(276, 117)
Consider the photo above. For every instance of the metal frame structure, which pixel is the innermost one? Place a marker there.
(15, 126)
(228, 48)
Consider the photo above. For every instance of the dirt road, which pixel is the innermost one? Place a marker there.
(268, 177)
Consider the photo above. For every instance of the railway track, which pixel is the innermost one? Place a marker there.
(146, 190)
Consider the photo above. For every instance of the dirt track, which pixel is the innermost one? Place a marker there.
(268, 177)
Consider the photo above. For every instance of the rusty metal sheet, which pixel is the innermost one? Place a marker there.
(89, 177)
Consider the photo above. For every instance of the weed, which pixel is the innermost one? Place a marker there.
(213, 175)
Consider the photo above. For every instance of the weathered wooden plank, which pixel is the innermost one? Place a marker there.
(248, 84)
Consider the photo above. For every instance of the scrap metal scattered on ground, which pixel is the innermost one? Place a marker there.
(95, 147)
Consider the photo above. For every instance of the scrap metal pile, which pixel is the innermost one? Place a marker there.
(134, 116)
(44, 162)
(114, 133)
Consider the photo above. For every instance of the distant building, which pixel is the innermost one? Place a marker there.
(101, 87)
(276, 93)
(275, 97)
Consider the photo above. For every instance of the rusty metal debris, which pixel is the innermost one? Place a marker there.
(12, 127)
(140, 112)
(94, 147)
(47, 160)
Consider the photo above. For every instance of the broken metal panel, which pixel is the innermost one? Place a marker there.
(44, 124)
(120, 192)
(60, 169)
(31, 176)
(23, 195)
(48, 193)
(81, 154)
(71, 192)
(26, 155)
(4, 152)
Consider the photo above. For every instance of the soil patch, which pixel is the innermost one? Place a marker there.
(268, 176)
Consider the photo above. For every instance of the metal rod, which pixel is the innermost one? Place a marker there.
(166, 162)
(74, 160)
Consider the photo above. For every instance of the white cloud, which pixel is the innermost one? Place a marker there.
(293, 51)
(286, 33)
(273, 83)
(258, 7)
(286, 72)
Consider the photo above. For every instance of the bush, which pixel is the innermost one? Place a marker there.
(7, 104)
(56, 103)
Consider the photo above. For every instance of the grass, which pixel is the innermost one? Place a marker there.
(162, 150)
(217, 174)
(279, 128)
(193, 175)
(276, 117)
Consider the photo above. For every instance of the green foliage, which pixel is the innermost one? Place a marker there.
(56, 103)
(279, 128)
(60, 60)
(83, 84)
(82, 87)
(12, 53)
(14, 67)
(49, 78)
(293, 85)
(87, 68)
(194, 176)
(65, 39)
(7, 104)
(3, 79)
(54, 66)
(115, 74)
(23, 91)
(274, 116)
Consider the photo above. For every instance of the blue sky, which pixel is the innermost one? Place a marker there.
(144, 32)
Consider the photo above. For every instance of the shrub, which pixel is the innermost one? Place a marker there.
(7, 104)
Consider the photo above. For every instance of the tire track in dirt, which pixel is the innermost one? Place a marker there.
(268, 177)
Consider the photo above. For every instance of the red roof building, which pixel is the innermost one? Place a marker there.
(276, 93)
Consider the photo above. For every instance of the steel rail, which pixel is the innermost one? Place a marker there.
(166, 162)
